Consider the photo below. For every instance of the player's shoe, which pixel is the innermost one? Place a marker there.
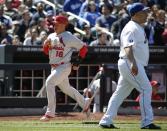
(46, 118)
(151, 126)
(111, 126)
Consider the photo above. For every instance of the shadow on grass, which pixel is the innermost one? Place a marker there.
(90, 122)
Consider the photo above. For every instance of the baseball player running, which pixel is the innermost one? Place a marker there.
(134, 55)
(59, 46)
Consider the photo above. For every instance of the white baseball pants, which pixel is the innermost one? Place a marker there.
(126, 83)
(59, 77)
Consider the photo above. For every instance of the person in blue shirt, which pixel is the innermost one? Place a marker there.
(72, 6)
(106, 19)
(91, 13)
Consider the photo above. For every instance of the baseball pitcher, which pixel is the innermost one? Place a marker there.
(134, 55)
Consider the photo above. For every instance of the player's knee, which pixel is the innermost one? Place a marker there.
(49, 82)
(149, 89)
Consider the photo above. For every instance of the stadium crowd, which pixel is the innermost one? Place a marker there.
(28, 22)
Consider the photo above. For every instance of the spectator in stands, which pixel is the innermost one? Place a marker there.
(15, 27)
(160, 27)
(91, 13)
(72, 6)
(16, 40)
(22, 8)
(155, 27)
(41, 25)
(5, 37)
(102, 40)
(154, 10)
(4, 18)
(161, 3)
(24, 24)
(10, 11)
(31, 38)
(42, 37)
(49, 21)
(88, 37)
(83, 7)
(118, 25)
(29, 4)
(16, 3)
(149, 29)
(39, 14)
(106, 19)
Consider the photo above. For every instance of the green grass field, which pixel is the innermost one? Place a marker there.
(70, 125)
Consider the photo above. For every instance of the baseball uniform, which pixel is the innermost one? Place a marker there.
(133, 34)
(59, 59)
(134, 55)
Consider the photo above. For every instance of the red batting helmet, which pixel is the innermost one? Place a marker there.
(60, 19)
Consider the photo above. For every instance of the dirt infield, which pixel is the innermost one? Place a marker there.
(77, 116)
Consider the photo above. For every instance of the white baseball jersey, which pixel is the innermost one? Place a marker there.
(132, 34)
(64, 44)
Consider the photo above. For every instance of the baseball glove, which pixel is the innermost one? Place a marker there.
(76, 60)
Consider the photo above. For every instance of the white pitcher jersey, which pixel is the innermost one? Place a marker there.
(133, 34)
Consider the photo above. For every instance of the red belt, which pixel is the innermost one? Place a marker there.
(56, 65)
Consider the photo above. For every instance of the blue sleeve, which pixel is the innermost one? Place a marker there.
(66, 6)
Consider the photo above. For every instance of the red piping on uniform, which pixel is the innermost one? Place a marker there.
(83, 51)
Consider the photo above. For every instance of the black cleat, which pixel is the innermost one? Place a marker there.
(151, 126)
(111, 126)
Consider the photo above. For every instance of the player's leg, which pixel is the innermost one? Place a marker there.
(142, 84)
(145, 89)
(51, 97)
(57, 76)
(122, 91)
(72, 92)
(84, 103)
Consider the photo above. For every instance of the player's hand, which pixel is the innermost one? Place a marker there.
(47, 42)
(74, 67)
(134, 69)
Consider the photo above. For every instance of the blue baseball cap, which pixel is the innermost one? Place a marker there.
(136, 7)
